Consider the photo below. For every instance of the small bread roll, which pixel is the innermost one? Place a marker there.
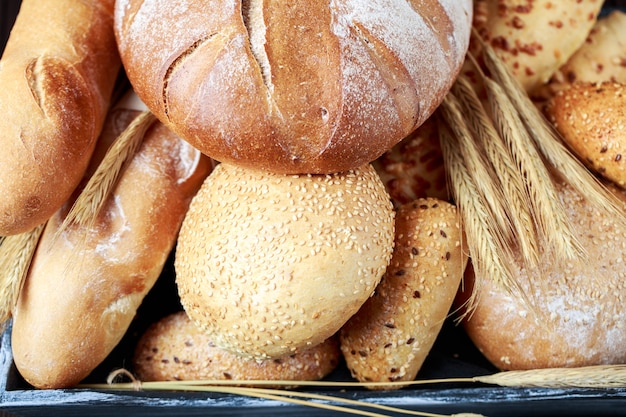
(602, 57)
(391, 335)
(577, 314)
(271, 264)
(174, 348)
(534, 38)
(592, 121)
(414, 167)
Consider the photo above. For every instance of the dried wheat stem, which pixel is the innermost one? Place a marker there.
(490, 253)
(548, 212)
(16, 254)
(485, 179)
(601, 377)
(90, 201)
(549, 142)
(505, 169)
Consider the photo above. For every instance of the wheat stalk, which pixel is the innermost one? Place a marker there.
(547, 210)
(549, 142)
(98, 188)
(490, 253)
(16, 254)
(589, 377)
(498, 155)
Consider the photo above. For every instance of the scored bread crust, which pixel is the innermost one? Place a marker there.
(57, 75)
(293, 87)
(86, 283)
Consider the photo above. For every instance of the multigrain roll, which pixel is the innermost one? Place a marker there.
(271, 264)
(174, 348)
(591, 119)
(534, 38)
(86, 283)
(576, 313)
(57, 75)
(293, 87)
(388, 339)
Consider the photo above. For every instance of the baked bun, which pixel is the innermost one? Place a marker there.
(293, 87)
(591, 119)
(414, 167)
(389, 338)
(534, 38)
(271, 264)
(174, 348)
(577, 316)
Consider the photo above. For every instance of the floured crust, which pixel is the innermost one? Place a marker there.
(174, 348)
(306, 88)
(578, 311)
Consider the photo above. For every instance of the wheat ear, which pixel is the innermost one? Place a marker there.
(98, 188)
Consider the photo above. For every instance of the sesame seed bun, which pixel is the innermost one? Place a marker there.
(270, 264)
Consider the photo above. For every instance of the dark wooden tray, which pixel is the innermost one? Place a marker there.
(452, 356)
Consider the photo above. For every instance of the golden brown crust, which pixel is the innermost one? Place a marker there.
(602, 57)
(579, 306)
(414, 167)
(391, 335)
(57, 74)
(534, 38)
(298, 87)
(84, 286)
(174, 348)
(271, 264)
(592, 121)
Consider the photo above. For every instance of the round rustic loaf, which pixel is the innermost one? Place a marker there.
(174, 348)
(271, 264)
(293, 87)
(576, 313)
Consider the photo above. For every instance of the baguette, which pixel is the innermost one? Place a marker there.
(57, 75)
(84, 286)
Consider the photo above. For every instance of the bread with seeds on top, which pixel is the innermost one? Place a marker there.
(271, 264)
(175, 349)
(391, 335)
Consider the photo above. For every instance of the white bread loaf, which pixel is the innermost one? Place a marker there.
(57, 75)
(293, 87)
(85, 285)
